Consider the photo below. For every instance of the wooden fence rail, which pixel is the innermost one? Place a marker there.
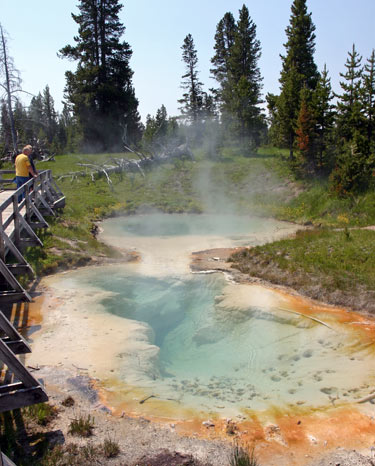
(22, 213)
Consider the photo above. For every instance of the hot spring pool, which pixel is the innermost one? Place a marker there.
(214, 346)
(201, 342)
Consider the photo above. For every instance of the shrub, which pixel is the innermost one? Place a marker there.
(242, 457)
(110, 448)
(82, 426)
(41, 413)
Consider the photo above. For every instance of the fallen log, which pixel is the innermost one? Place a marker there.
(366, 398)
(127, 165)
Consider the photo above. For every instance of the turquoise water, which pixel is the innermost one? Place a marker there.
(197, 344)
(161, 225)
(215, 357)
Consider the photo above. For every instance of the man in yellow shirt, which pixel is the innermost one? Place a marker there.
(23, 169)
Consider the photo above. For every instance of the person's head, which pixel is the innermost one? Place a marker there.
(27, 150)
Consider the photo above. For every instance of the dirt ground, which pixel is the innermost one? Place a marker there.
(146, 443)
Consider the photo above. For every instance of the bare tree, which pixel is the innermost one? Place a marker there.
(10, 82)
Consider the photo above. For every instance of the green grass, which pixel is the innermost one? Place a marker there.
(82, 426)
(334, 261)
(110, 448)
(237, 182)
(255, 184)
(41, 413)
(344, 256)
(242, 457)
(316, 203)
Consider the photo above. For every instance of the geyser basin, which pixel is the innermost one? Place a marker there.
(217, 347)
(197, 343)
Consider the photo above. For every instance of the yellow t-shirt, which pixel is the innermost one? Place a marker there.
(22, 165)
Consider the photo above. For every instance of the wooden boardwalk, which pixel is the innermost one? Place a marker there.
(22, 213)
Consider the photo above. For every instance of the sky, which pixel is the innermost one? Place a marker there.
(155, 30)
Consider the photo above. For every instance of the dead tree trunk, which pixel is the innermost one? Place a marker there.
(8, 92)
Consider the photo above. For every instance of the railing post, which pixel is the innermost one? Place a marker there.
(2, 245)
(16, 220)
(27, 204)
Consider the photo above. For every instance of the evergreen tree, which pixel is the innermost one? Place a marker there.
(155, 134)
(35, 115)
(355, 160)
(160, 131)
(70, 130)
(324, 119)
(298, 70)
(224, 41)
(273, 121)
(349, 106)
(288, 106)
(241, 92)
(20, 123)
(368, 98)
(209, 108)
(5, 129)
(101, 91)
(161, 120)
(305, 134)
(192, 99)
(49, 115)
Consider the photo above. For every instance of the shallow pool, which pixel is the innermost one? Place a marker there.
(211, 345)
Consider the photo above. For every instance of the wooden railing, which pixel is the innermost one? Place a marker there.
(22, 214)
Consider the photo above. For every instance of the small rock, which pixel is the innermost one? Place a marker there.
(208, 423)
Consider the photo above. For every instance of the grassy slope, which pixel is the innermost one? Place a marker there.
(177, 187)
(325, 264)
(334, 261)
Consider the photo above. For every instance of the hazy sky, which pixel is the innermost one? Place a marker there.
(155, 30)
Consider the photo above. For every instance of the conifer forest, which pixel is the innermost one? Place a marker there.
(327, 134)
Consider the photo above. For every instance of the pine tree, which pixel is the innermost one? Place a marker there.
(298, 70)
(288, 106)
(349, 106)
(155, 134)
(355, 160)
(101, 91)
(160, 131)
(305, 134)
(49, 115)
(36, 123)
(224, 41)
(273, 120)
(5, 129)
(324, 118)
(368, 97)
(242, 92)
(20, 122)
(192, 99)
